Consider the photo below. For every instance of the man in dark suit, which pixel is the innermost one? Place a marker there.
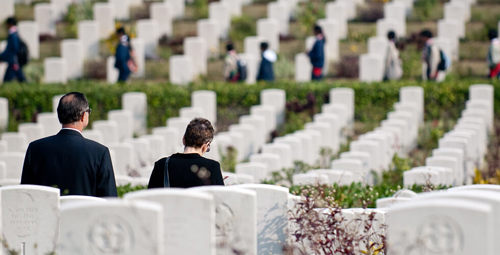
(9, 55)
(68, 161)
(122, 55)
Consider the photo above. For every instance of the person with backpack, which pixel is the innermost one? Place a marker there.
(15, 54)
(124, 56)
(234, 67)
(434, 60)
(494, 54)
(317, 54)
(393, 66)
(266, 71)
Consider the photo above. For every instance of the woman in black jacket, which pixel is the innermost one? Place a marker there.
(190, 168)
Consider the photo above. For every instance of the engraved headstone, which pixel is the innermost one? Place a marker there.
(255, 169)
(235, 219)
(30, 219)
(207, 100)
(32, 131)
(192, 218)
(140, 56)
(252, 45)
(124, 158)
(386, 24)
(113, 227)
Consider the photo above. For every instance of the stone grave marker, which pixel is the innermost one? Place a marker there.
(268, 112)
(64, 200)
(72, 53)
(125, 120)
(44, 15)
(181, 69)
(209, 30)
(140, 56)
(371, 68)
(219, 12)
(269, 30)
(124, 156)
(109, 130)
(303, 68)
(88, 35)
(310, 179)
(252, 45)
(207, 100)
(385, 25)
(252, 62)
(55, 70)
(192, 217)
(116, 226)
(104, 16)
(196, 48)
(30, 218)
(337, 11)
(7, 9)
(331, 30)
(120, 9)
(14, 162)
(32, 131)
(4, 113)
(28, 31)
(111, 72)
(171, 137)
(163, 14)
(49, 122)
(136, 102)
(148, 31)
(279, 11)
(378, 45)
(277, 99)
(255, 169)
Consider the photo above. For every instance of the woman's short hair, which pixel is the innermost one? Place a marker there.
(198, 132)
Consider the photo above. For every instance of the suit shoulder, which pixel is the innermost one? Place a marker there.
(95, 145)
(212, 162)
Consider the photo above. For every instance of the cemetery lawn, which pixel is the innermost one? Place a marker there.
(444, 102)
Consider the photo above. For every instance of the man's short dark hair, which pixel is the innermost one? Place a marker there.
(229, 46)
(391, 35)
(426, 33)
(264, 46)
(71, 107)
(11, 21)
(317, 30)
(120, 30)
(198, 132)
(492, 34)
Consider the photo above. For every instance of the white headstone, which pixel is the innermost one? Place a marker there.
(72, 53)
(4, 113)
(252, 45)
(14, 163)
(277, 99)
(104, 16)
(60, 8)
(171, 138)
(181, 69)
(125, 120)
(178, 7)
(163, 14)
(371, 68)
(303, 68)
(279, 12)
(109, 130)
(257, 170)
(88, 34)
(331, 30)
(234, 7)
(120, 9)
(219, 12)
(124, 157)
(140, 56)
(45, 18)
(7, 9)
(33, 131)
(385, 25)
(206, 100)
(136, 102)
(55, 70)
(252, 62)
(209, 30)
(196, 48)
(338, 12)
(396, 11)
(235, 219)
(192, 217)
(269, 30)
(272, 217)
(378, 46)
(30, 218)
(460, 235)
(116, 226)
(50, 123)
(148, 31)
(78, 199)
(111, 72)
(28, 31)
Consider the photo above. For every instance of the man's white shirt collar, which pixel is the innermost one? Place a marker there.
(74, 129)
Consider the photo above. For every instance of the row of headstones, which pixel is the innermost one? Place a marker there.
(325, 132)
(205, 220)
(374, 150)
(372, 64)
(334, 28)
(460, 220)
(461, 150)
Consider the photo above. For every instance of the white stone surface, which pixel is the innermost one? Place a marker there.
(235, 218)
(181, 69)
(109, 130)
(396, 11)
(252, 62)
(219, 12)
(272, 217)
(32, 131)
(277, 99)
(14, 162)
(124, 156)
(60, 8)
(73, 54)
(111, 72)
(30, 218)
(272, 161)
(140, 56)
(378, 45)
(4, 113)
(163, 14)
(192, 217)
(331, 30)
(148, 31)
(209, 30)
(64, 200)
(136, 102)
(338, 12)
(49, 122)
(44, 15)
(178, 7)
(104, 16)
(88, 34)
(55, 70)
(130, 227)
(207, 100)
(28, 31)
(279, 11)
(7, 9)
(251, 45)
(197, 49)
(120, 9)
(269, 30)
(463, 236)
(257, 170)
(385, 25)
(303, 68)
(371, 68)
(268, 112)
(125, 120)
(310, 179)
(171, 137)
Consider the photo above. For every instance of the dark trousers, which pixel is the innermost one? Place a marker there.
(317, 73)
(123, 76)
(11, 74)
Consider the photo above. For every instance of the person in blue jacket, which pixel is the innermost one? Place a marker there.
(9, 55)
(122, 55)
(317, 54)
(266, 71)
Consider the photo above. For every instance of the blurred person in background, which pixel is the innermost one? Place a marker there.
(494, 54)
(15, 54)
(393, 66)
(124, 56)
(317, 54)
(268, 57)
